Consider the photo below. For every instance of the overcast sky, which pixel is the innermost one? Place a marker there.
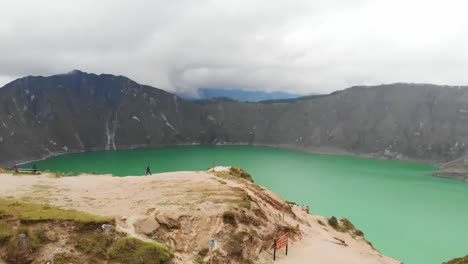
(310, 46)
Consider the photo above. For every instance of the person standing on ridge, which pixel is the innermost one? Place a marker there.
(148, 170)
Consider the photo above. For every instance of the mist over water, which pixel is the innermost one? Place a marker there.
(405, 213)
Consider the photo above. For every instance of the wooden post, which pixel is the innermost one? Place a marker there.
(274, 251)
(287, 249)
(284, 208)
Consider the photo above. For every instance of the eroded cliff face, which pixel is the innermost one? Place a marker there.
(41, 116)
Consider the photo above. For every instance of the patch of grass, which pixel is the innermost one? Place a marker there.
(6, 232)
(234, 246)
(229, 217)
(222, 182)
(95, 244)
(244, 199)
(240, 173)
(253, 232)
(66, 258)
(345, 225)
(40, 212)
(132, 250)
(19, 249)
(31, 235)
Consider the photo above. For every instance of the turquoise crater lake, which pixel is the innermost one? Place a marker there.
(404, 212)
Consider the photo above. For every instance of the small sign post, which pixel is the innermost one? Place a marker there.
(279, 243)
(212, 245)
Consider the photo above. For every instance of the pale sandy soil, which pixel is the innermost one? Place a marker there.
(135, 200)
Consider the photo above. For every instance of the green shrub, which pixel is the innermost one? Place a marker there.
(229, 217)
(135, 251)
(333, 222)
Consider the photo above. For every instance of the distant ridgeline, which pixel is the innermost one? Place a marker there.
(243, 95)
(41, 116)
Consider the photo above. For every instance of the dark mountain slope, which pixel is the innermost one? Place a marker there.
(40, 116)
(417, 121)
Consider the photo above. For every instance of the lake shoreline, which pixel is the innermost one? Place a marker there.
(310, 150)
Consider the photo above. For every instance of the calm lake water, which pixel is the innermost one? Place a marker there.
(404, 212)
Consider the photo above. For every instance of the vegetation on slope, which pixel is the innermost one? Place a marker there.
(344, 226)
(132, 250)
(37, 212)
(462, 260)
(234, 173)
(25, 228)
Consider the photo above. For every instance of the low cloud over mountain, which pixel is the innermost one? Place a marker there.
(300, 47)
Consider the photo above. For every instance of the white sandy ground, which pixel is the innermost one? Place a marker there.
(130, 198)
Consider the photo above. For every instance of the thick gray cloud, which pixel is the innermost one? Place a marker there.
(305, 46)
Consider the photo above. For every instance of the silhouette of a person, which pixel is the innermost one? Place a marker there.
(148, 170)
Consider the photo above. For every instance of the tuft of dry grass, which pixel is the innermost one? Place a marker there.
(222, 182)
(462, 260)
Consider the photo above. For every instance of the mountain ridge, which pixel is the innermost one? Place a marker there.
(42, 116)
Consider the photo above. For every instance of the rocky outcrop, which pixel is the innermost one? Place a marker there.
(43, 116)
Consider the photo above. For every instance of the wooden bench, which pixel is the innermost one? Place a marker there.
(29, 171)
